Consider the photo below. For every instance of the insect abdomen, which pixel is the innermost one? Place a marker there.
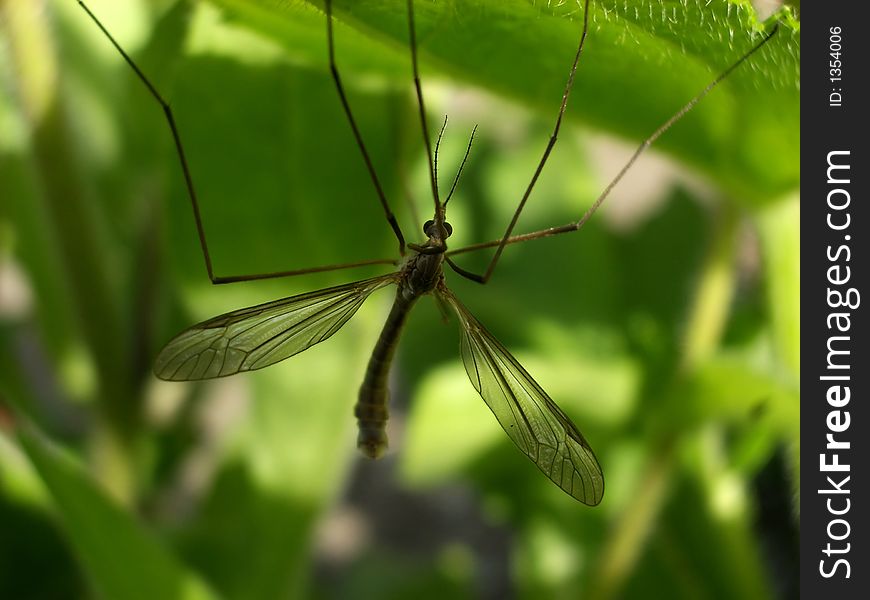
(371, 409)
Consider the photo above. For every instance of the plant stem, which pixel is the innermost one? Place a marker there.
(73, 218)
(707, 316)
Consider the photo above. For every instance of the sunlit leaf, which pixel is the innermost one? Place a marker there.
(122, 559)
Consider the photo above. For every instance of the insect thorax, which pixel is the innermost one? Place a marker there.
(421, 274)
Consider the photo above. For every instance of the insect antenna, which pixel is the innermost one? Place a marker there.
(461, 166)
(438, 146)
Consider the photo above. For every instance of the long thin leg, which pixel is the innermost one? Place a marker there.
(399, 140)
(191, 191)
(433, 180)
(550, 144)
(574, 226)
(391, 218)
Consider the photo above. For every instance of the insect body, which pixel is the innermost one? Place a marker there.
(421, 274)
(259, 336)
(262, 335)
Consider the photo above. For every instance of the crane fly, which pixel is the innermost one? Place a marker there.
(252, 338)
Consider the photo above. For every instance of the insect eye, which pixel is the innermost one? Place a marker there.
(427, 226)
(449, 228)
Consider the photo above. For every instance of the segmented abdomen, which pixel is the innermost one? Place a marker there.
(371, 408)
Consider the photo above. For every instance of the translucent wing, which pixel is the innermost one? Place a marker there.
(259, 336)
(532, 420)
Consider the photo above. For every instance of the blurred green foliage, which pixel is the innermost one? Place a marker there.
(672, 339)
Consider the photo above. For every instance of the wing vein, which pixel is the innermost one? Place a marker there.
(258, 336)
(539, 428)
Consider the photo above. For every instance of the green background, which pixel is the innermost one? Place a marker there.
(667, 328)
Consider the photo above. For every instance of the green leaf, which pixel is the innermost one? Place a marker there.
(731, 386)
(446, 406)
(779, 229)
(123, 560)
(595, 317)
(641, 63)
